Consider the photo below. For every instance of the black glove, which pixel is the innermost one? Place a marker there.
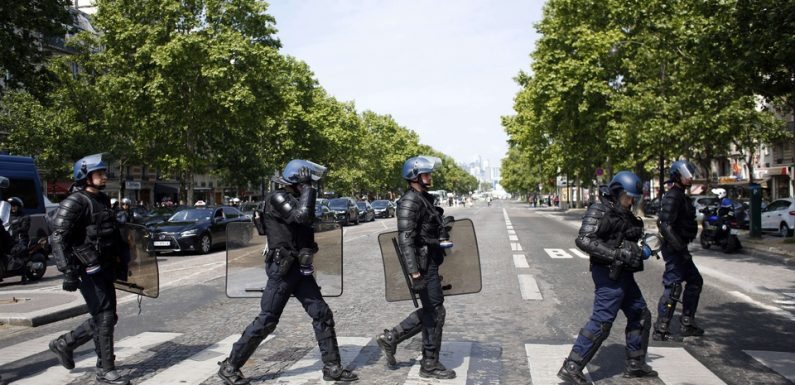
(630, 254)
(633, 233)
(418, 284)
(71, 279)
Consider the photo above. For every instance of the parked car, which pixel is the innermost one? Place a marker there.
(247, 208)
(194, 229)
(345, 210)
(384, 208)
(779, 216)
(366, 212)
(158, 215)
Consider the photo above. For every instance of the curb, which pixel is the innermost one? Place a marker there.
(72, 307)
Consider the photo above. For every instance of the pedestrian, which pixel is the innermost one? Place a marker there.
(421, 238)
(288, 217)
(85, 244)
(677, 224)
(609, 234)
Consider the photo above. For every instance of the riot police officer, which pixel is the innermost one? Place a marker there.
(609, 234)
(85, 244)
(125, 214)
(287, 217)
(677, 223)
(19, 223)
(421, 238)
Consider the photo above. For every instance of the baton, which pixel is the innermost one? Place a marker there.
(405, 273)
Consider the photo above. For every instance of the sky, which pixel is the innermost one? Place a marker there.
(443, 69)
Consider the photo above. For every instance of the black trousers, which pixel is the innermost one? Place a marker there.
(274, 298)
(432, 313)
(100, 296)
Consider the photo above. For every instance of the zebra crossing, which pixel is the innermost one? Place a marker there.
(674, 364)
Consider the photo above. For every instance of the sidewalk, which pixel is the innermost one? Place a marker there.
(39, 307)
(769, 247)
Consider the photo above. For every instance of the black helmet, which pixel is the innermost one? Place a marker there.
(628, 182)
(15, 201)
(683, 172)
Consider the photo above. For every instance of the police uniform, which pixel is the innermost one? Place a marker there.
(288, 222)
(609, 234)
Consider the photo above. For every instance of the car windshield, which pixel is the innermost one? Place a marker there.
(338, 203)
(379, 204)
(361, 205)
(192, 215)
(161, 211)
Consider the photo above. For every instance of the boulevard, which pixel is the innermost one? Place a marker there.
(536, 295)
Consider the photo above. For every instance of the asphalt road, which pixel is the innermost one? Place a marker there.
(537, 293)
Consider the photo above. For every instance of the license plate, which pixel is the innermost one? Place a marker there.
(162, 243)
(735, 231)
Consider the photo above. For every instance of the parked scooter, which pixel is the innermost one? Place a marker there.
(30, 263)
(719, 227)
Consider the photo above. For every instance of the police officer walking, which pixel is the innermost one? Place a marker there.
(609, 234)
(677, 223)
(421, 238)
(18, 228)
(288, 217)
(85, 244)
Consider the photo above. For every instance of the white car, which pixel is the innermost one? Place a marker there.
(702, 201)
(779, 216)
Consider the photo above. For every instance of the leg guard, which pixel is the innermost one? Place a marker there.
(389, 340)
(103, 339)
(643, 332)
(666, 310)
(326, 337)
(596, 341)
(430, 367)
(247, 344)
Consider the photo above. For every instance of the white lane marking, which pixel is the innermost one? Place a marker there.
(513, 238)
(126, 348)
(511, 232)
(309, 368)
(529, 287)
(510, 228)
(773, 309)
(781, 362)
(558, 253)
(677, 366)
(516, 246)
(198, 367)
(742, 283)
(579, 253)
(520, 261)
(545, 361)
(455, 356)
(27, 348)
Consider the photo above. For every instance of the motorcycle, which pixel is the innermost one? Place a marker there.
(28, 262)
(719, 227)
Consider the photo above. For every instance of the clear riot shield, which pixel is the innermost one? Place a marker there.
(245, 262)
(5, 213)
(460, 271)
(139, 273)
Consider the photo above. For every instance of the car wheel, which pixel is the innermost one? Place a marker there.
(784, 230)
(205, 243)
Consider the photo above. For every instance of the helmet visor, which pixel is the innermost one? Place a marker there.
(686, 172)
(427, 163)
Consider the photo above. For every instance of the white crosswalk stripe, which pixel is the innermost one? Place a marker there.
(197, 368)
(515, 246)
(676, 366)
(26, 349)
(455, 356)
(309, 368)
(558, 254)
(125, 348)
(545, 360)
(781, 362)
(513, 238)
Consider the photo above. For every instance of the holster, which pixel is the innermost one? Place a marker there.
(283, 258)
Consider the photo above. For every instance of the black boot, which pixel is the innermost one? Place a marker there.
(111, 377)
(230, 374)
(661, 332)
(571, 372)
(64, 351)
(432, 368)
(335, 372)
(638, 368)
(688, 327)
